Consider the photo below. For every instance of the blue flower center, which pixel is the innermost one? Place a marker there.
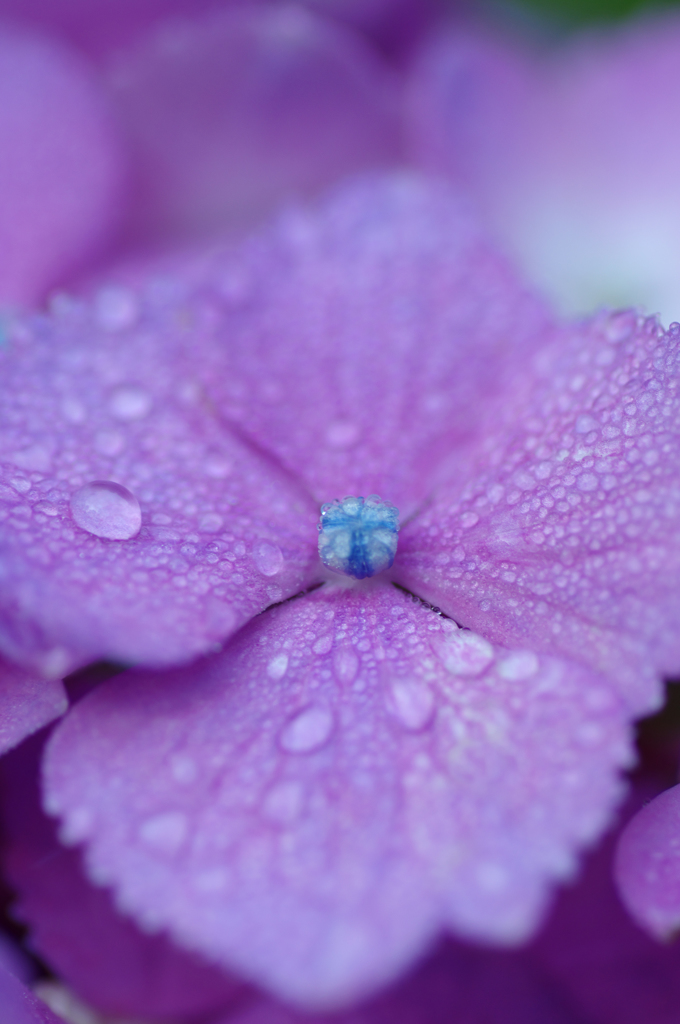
(358, 536)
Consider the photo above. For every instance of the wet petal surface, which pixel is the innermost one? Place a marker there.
(353, 774)
(75, 928)
(132, 526)
(61, 172)
(564, 535)
(27, 703)
(372, 334)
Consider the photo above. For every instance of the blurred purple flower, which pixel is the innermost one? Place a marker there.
(571, 153)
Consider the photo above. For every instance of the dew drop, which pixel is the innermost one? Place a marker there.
(518, 665)
(278, 666)
(129, 403)
(107, 509)
(307, 731)
(323, 644)
(412, 702)
(345, 664)
(464, 653)
(164, 832)
(116, 308)
(268, 558)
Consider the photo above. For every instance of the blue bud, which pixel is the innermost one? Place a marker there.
(358, 536)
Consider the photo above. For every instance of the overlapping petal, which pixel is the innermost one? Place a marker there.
(27, 703)
(572, 154)
(61, 173)
(19, 1006)
(350, 776)
(75, 928)
(233, 112)
(223, 532)
(563, 535)
(372, 336)
(648, 865)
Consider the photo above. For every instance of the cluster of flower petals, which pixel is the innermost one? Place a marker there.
(302, 784)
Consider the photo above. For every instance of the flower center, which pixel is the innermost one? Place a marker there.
(358, 536)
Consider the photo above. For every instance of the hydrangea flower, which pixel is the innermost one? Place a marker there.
(571, 154)
(352, 772)
(303, 780)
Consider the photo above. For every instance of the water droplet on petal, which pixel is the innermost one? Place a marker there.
(345, 664)
(129, 403)
(107, 509)
(518, 665)
(116, 308)
(164, 832)
(277, 667)
(268, 558)
(464, 653)
(307, 731)
(412, 702)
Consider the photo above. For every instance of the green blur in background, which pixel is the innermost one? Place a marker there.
(584, 12)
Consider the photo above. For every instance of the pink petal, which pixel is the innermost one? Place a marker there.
(108, 391)
(19, 1006)
(350, 776)
(75, 928)
(372, 335)
(26, 704)
(563, 536)
(556, 149)
(61, 167)
(648, 865)
(231, 113)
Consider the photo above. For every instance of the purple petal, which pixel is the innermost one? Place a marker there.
(104, 418)
(350, 776)
(19, 1006)
(458, 984)
(372, 335)
(564, 534)
(26, 704)
(648, 865)
(75, 928)
(613, 971)
(231, 113)
(556, 149)
(61, 167)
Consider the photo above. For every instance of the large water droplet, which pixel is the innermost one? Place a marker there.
(107, 509)
(268, 558)
(518, 665)
(116, 308)
(129, 403)
(465, 653)
(278, 666)
(307, 731)
(412, 702)
(164, 832)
